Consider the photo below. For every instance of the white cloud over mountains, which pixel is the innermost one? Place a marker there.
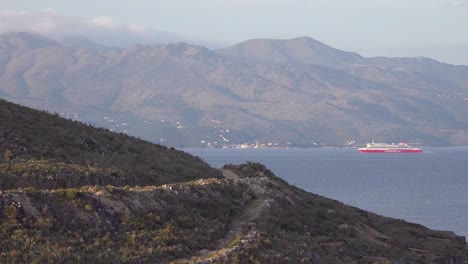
(52, 23)
(102, 29)
(104, 23)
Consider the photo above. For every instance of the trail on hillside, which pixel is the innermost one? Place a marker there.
(242, 229)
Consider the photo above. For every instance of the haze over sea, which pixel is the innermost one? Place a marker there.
(429, 188)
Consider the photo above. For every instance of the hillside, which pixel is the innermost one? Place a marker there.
(76, 154)
(73, 193)
(296, 92)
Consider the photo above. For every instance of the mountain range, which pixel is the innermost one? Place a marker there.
(296, 92)
(72, 193)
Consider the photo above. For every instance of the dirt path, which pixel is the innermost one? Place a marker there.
(243, 224)
(242, 228)
(229, 175)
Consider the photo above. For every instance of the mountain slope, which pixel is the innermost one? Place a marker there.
(64, 207)
(185, 95)
(77, 154)
(302, 50)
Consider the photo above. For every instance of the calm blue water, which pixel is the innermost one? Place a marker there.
(430, 188)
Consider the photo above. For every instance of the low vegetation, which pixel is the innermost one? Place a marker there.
(32, 140)
(122, 200)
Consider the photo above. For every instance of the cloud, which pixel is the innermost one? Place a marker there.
(104, 22)
(137, 28)
(56, 25)
(46, 22)
(102, 29)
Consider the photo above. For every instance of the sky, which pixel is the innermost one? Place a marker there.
(393, 28)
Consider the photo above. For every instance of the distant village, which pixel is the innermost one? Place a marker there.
(246, 145)
(281, 144)
(223, 142)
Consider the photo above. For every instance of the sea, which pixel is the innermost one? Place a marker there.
(428, 188)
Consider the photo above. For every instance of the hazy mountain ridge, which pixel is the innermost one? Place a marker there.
(299, 91)
(301, 50)
(82, 194)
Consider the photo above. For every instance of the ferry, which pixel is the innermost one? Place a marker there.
(389, 148)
